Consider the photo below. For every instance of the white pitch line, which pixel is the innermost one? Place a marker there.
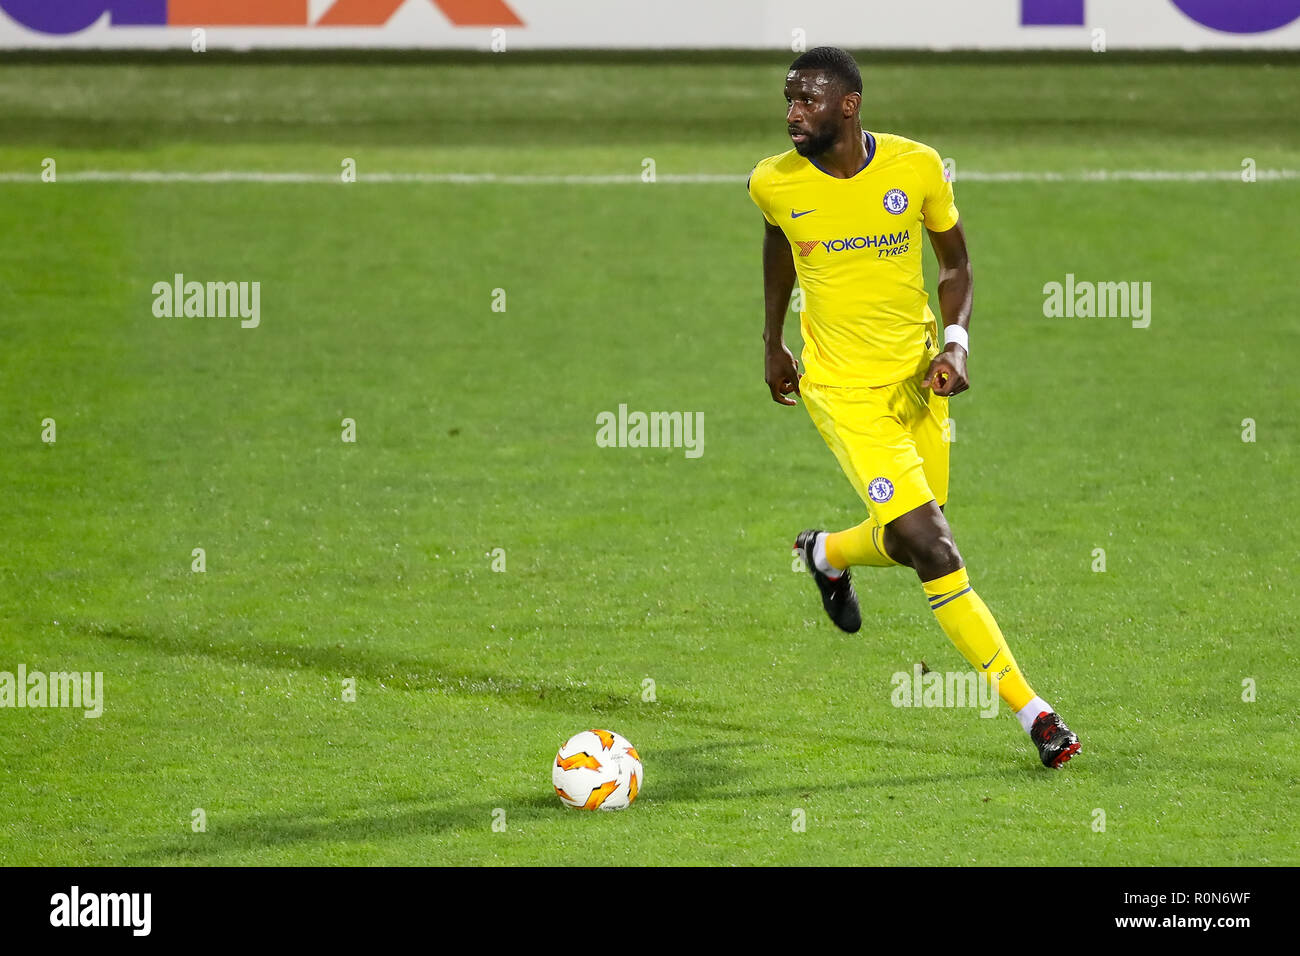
(544, 179)
(1126, 175)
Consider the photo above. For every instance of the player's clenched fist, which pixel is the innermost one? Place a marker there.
(782, 374)
(947, 373)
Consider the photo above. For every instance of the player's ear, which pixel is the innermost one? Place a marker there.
(852, 103)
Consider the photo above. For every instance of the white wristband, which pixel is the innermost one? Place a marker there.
(955, 333)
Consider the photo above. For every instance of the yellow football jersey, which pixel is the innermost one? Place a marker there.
(857, 253)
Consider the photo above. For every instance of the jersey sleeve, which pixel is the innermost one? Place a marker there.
(758, 191)
(939, 209)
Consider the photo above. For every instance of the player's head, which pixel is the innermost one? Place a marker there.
(823, 90)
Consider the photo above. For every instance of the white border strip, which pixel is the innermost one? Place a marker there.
(542, 179)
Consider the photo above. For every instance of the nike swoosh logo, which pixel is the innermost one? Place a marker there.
(992, 659)
(796, 215)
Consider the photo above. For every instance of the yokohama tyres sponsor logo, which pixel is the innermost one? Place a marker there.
(881, 241)
(73, 16)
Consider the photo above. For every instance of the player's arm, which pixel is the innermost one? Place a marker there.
(778, 282)
(947, 373)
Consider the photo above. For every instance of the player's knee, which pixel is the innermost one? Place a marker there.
(936, 555)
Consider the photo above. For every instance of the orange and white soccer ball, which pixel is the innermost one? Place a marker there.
(597, 770)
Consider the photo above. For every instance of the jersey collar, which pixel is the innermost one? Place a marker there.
(868, 141)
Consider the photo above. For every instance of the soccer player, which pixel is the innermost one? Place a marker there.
(844, 212)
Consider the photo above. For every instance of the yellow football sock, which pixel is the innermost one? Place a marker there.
(863, 545)
(969, 625)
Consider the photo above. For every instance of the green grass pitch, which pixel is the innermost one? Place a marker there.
(475, 431)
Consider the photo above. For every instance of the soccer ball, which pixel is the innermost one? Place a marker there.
(597, 770)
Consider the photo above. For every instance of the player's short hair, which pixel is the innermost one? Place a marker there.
(834, 61)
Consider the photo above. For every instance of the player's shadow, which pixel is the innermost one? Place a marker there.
(690, 774)
(341, 825)
(395, 672)
(695, 774)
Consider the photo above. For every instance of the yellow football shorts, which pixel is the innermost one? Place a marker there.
(891, 442)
